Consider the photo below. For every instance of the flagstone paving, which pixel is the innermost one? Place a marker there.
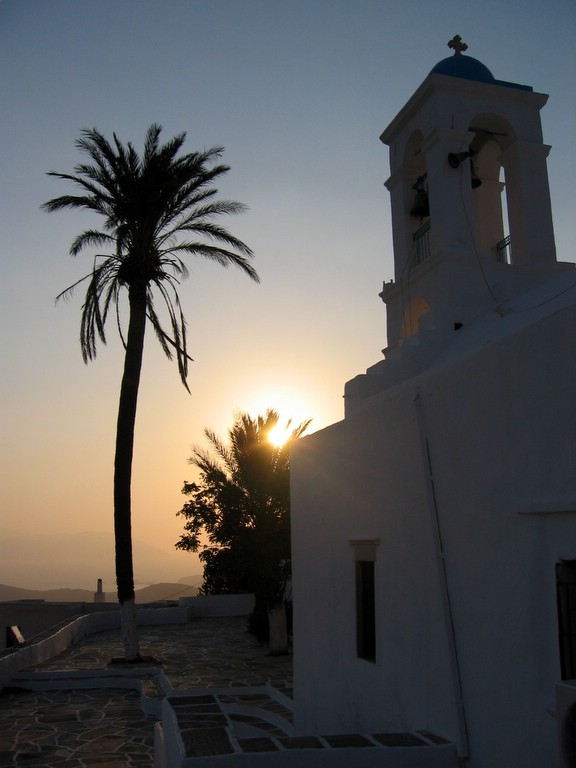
(205, 653)
(78, 729)
(227, 694)
(106, 728)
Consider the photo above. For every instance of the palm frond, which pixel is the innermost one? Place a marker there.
(219, 255)
(92, 237)
(150, 204)
(178, 324)
(151, 142)
(76, 201)
(214, 232)
(219, 447)
(178, 341)
(67, 293)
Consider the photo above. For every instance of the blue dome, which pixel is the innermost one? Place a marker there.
(465, 67)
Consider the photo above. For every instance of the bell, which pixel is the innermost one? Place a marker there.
(454, 161)
(421, 205)
(476, 182)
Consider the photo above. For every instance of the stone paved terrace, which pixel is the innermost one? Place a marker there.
(227, 698)
(101, 728)
(205, 653)
(71, 724)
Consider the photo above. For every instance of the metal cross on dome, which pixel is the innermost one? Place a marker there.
(458, 45)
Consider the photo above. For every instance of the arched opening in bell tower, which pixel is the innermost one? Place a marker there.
(492, 136)
(417, 200)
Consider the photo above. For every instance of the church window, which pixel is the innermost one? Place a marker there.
(365, 610)
(364, 563)
(566, 597)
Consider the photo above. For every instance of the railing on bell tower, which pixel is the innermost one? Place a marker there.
(503, 251)
(422, 243)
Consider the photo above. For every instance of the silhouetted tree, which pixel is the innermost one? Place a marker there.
(158, 208)
(242, 504)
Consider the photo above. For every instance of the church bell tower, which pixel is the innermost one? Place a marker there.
(471, 214)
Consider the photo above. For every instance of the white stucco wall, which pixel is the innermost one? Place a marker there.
(500, 428)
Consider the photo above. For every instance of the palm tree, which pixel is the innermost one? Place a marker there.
(242, 503)
(157, 209)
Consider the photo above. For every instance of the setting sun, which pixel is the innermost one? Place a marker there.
(293, 410)
(280, 434)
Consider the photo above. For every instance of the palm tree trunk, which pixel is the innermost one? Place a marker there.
(123, 469)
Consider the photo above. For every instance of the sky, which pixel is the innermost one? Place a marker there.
(298, 92)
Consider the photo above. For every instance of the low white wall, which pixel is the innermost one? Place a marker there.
(34, 617)
(159, 746)
(170, 752)
(75, 631)
(402, 757)
(72, 633)
(188, 608)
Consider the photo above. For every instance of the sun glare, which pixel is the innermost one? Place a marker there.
(291, 407)
(279, 435)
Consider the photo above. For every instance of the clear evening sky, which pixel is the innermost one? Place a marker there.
(298, 92)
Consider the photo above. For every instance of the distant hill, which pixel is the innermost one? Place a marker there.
(50, 595)
(150, 594)
(166, 591)
(42, 562)
(192, 581)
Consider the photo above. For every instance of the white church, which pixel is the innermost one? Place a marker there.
(434, 528)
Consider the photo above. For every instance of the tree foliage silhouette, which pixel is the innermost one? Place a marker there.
(242, 504)
(158, 208)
